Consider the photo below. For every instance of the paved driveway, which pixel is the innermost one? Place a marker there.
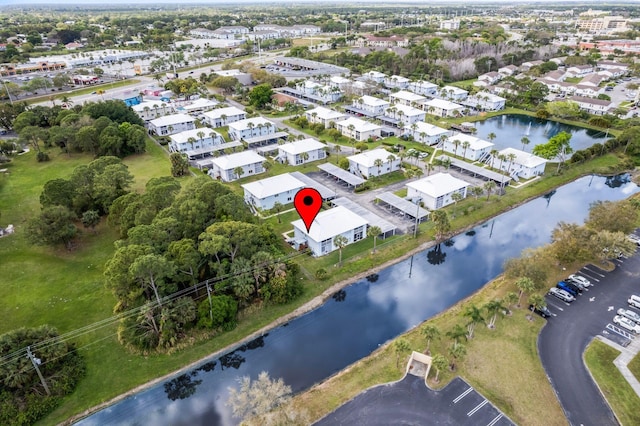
(566, 335)
(410, 402)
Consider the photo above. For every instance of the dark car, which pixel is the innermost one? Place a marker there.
(543, 311)
(569, 288)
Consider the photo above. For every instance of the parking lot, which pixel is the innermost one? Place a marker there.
(409, 401)
(571, 328)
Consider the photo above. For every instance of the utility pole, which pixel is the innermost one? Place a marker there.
(7, 90)
(415, 228)
(210, 303)
(36, 362)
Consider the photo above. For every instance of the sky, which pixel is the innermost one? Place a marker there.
(234, 2)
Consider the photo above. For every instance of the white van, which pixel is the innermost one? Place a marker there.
(634, 301)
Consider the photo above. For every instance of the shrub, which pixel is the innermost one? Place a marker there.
(42, 157)
(321, 274)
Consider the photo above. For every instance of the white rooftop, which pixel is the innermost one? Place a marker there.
(219, 112)
(200, 103)
(407, 110)
(169, 120)
(330, 223)
(474, 142)
(298, 147)
(373, 101)
(398, 78)
(359, 125)
(183, 137)
(239, 159)
(278, 184)
(368, 158)
(326, 113)
(151, 104)
(244, 124)
(442, 104)
(407, 96)
(490, 96)
(524, 158)
(438, 184)
(339, 79)
(375, 74)
(423, 83)
(453, 89)
(428, 129)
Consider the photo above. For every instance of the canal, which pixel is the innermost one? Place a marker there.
(365, 314)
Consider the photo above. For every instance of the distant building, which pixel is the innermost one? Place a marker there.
(591, 105)
(358, 129)
(325, 116)
(294, 152)
(170, 124)
(523, 164)
(451, 25)
(442, 108)
(423, 88)
(467, 146)
(373, 163)
(426, 133)
(404, 97)
(437, 189)
(224, 116)
(264, 193)
(195, 139)
(251, 127)
(227, 167)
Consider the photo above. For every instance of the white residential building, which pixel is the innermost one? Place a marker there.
(592, 106)
(198, 106)
(326, 226)
(226, 167)
(193, 139)
(436, 190)
(372, 105)
(442, 108)
(264, 193)
(148, 110)
(250, 128)
(375, 76)
(340, 82)
(404, 97)
(426, 133)
(396, 82)
(508, 70)
(319, 92)
(453, 93)
(486, 101)
(423, 88)
(358, 129)
(450, 24)
(223, 116)
(366, 163)
(467, 146)
(405, 115)
(293, 152)
(522, 164)
(170, 124)
(580, 70)
(324, 115)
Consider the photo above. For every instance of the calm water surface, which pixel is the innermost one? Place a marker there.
(510, 129)
(366, 314)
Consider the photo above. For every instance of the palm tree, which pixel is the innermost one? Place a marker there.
(439, 362)
(491, 136)
(457, 352)
(536, 301)
(494, 154)
(373, 232)
(340, 241)
(430, 332)
(378, 163)
(475, 316)
(489, 186)
(400, 346)
(191, 140)
(456, 143)
(277, 206)
(525, 141)
(465, 146)
(502, 158)
(476, 191)
(238, 171)
(456, 196)
(493, 308)
(524, 285)
(429, 168)
(509, 299)
(456, 333)
(511, 157)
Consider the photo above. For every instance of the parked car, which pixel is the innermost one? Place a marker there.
(561, 294)
(579, 281)
(629, 314)
(543, 311)
(569, 288)
(626, 323)
(634, 301)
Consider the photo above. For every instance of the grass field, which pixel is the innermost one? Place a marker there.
(624, 401)
(634, 366)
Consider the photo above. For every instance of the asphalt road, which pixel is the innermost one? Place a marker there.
(562, 342)
(410, 402)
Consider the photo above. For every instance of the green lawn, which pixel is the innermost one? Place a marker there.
(634, 366)
(624, 401)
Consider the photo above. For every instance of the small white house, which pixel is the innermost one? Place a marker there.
(194, 139)
(436, 190)
(170, 124)
(228, 166)
(293, 153)
(423, 88)
(324, 116)
(223, 116)
(372, 105)
(250, 128)
(521, 164)
(453, 93)
(373, 163)
(358, 129)
(426, 133)
(327, 225)
(442, 108)
(396, 82)
(375, 76)
(486, 101)
(405, 115)
(264, 193)
(467, 146)
(404, 97)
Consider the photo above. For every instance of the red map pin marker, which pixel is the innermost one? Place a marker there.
(308, 203)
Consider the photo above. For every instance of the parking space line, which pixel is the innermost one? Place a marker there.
(593, 272)
(556, 307)
(591, 278)
(479, 406)
(619, 331)
(462, 395)
(494, 421)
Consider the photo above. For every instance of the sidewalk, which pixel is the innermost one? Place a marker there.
(625, 357)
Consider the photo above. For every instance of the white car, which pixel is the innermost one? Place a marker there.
(579, 280)
(561, 294)
(629, 314)
(626, 323)
(634, 301)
